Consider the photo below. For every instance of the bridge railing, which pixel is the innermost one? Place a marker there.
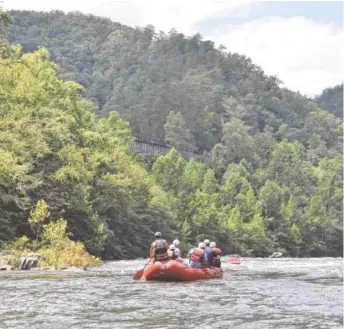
(142, 146)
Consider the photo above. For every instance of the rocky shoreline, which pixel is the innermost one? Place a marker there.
(10, 262)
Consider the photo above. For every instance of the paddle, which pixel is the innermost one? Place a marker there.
(139, 273)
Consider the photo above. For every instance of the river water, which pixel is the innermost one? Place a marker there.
(259, 293)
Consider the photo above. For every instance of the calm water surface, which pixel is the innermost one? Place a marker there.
(259, 293)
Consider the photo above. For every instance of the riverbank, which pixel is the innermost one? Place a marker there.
(52, 246)
(11, 260)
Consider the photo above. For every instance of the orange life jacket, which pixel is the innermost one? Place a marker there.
(160, 250)
(197, 255)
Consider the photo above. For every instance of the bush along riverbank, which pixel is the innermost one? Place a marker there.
(52, 247)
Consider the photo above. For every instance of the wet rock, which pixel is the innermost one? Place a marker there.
(276, 254)
(30, 261)
(6, 268)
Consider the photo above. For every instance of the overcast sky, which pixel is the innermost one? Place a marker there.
(300, 42)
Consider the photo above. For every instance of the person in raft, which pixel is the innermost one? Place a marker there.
(172, 253)
(196, 256)
(208, 254)
(216, 254)
(189, 254)
(159, 248)
(177, 250)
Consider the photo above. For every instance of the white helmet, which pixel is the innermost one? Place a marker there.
(201, 245)
(172, 247)
(212, 244)
(207, 242)
(176, 242)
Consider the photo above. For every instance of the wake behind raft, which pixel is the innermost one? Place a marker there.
(172, 270)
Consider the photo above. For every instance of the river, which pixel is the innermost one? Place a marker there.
(259, 293)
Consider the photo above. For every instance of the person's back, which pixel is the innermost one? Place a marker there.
(208, 256)
(172, 252)
(208, 253)
(159, 249)
(197, 256)
(177, 250)
(188, 256)
(216, 255)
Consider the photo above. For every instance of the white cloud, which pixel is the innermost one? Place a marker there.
(307, 56)
(163, 14)
(46, 5)
(167, 14)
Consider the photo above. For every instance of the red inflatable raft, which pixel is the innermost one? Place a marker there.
(175, 271)
(235, 259)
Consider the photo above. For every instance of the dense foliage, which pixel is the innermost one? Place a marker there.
(52, 147)
(331, 99)
(51, 242)
(270, 173)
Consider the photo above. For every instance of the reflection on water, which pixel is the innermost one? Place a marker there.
(259, 293)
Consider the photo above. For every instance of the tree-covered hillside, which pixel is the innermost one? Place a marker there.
(270, 174)
(331, 99)
(54, 148)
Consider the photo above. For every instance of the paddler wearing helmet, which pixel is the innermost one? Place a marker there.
(208, 254)
(197, 256)
(177, 250)
(159, 248)
(172, 252)
(216, 254)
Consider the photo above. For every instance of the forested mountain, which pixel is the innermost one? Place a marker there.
(331, 99)
(270, 173)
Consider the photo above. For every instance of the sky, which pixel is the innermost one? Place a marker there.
(301, 42)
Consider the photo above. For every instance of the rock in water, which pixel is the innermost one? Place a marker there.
(6, 268)
(28, 262)
(276, 254)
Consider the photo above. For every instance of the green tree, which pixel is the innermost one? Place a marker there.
(169, 170)
(176, 132)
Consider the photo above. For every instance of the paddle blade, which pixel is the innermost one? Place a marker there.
(138, 274)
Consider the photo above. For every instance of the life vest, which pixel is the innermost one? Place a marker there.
(217, 251)
(160, 250)
(197, 255)
(217, 259)
(208, 256)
